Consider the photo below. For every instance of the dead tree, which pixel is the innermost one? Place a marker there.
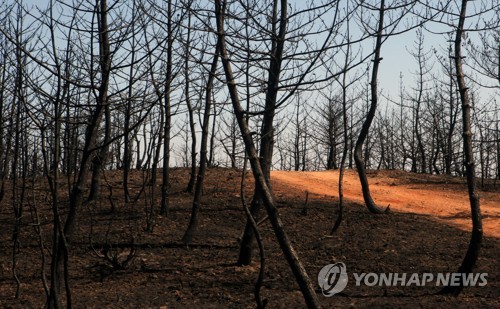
(472, 254)
(344, 84)
(127, 141)
(165, 185)
(365, 129)
(448, 99)
(192, 128)
(422, 58)
(280, 72)
(267, 130)
(91, 134)
(193, 223)
(300, 273)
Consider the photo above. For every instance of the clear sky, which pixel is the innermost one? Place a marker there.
(396, 58)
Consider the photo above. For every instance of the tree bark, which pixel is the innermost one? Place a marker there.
(127, 152)
(3, 150)
(165, 186)
(76, 197)
(344, 86)
(267, 130)
(291, 256)
(192, 176)
(193, 222)
(99, 160)
(365, 129)
(472, 254)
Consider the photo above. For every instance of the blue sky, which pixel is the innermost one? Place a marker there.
(394, 51)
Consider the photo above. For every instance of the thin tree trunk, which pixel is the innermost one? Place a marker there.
(76, 197)
(358, 151)
(193, 222)
(3, 150)
(59, 239)
(291, 256)
(420, 146)
(498, 148)
(99, 160)
(267, 131)
(346, 142)
(477, 227)
(296, 144)
(192, 176)
(165, 186)
(261, 303)
(451, 129)
(18, 102)
(418, 132)
(127, 152)
(211, 159)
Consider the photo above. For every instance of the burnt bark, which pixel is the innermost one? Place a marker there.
(165, 186)
(194, 220)
(267, 130)
(472, 254)
(344, 86)
(291, 256)
(365, 129)
(192, 176)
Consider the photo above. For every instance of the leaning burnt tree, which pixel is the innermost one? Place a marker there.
(60, 250)
(472, 254)
(267, 131)
(291, 256)
(365, 129)
(273, 63)
(194, 220)
(397, 13)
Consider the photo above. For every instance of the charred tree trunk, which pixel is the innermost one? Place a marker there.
(59, 239)
(99, 160)
(3, 150)
(211, 153)
(165, 186)
(77, 192)
(193, 222)
(497, 129)
(477, 227)
(365, 129)
(421, 59)
(452, 122)
(291, 256)
(127, 147)
(267, 130)
(192, 176)
(344, 86)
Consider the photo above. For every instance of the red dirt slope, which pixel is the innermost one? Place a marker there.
(444, 198)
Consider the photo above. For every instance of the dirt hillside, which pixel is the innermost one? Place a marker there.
(425, 233)
(443, 198)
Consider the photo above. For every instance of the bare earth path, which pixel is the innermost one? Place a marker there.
(441, 198)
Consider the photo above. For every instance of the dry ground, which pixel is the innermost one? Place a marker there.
(442, 198)
(426, 232)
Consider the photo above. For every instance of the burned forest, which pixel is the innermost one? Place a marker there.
(248, 153)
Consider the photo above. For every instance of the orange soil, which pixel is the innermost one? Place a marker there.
(442, 198)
